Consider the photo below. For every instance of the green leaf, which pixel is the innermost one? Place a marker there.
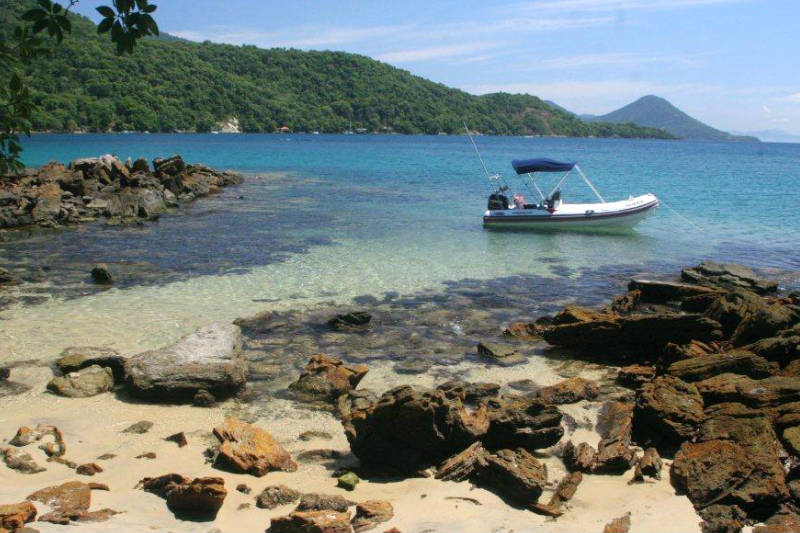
(33, 14)
(105, 25)
(150, 9)
(107, 12)
(65, 24)
(39, 25)
(16, 83)
(57, 8)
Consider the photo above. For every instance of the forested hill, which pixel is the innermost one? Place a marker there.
(176, 85)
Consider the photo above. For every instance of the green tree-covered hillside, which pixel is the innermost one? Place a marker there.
(172, 85)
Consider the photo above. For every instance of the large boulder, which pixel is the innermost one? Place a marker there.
(520, 421)
(735, 362)
(409, 430)
(89, 381)
(48, 203)
(209, 359)
(668, 412)
(515, 475)
(728, 276)
(708, 472)
(766, 322)
(326, 378)
(248, 449)
(731, 308)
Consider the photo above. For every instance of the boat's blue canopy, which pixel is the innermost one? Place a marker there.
(540, 164)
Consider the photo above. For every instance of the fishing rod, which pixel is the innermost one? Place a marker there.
(493, 178)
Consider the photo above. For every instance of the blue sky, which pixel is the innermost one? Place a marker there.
(731, 63)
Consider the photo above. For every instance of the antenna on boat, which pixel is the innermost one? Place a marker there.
(493, 178)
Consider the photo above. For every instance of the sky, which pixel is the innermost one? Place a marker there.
(734, 64)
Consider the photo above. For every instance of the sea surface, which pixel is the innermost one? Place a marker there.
(324, 219)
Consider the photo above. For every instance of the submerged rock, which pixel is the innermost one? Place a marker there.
(77, 358)
(89, 381)
(326, 378)
(248, 449)
(102, 275)
(209, 359)
(728, 276)
(355, 321)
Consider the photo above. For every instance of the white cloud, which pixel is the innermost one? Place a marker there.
(619, 5)
(793, 98)
(612, 59)
(434, 52)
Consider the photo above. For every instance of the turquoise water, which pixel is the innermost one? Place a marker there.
(335, 217)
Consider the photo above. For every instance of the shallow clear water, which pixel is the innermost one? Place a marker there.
(332, 217)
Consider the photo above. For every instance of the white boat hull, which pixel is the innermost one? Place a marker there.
(623, 214)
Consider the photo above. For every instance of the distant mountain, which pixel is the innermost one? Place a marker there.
(772, 136)
(656, 112)
(560, 108)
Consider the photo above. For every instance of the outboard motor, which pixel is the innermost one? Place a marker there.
(554, 200)
(497, 202)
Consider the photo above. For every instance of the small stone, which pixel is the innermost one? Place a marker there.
(89, 469)
(276, 495)
(355, 321)
(139, 427)
(311, 434)
(102, 275)
(318, 502)
(619, 525)
(203, 398)
(243, 506)
(20, 461)
(106, 456)
(179, 439)
(371, 513)
(146, 455)
(348, 481)
(244, 489)
(325, 521)
(14, 517)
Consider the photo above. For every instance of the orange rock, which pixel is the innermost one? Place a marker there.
(16, 515)
(312, 522)
(251, 450)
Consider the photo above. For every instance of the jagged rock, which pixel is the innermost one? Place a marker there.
(783, 347)
(79, 357)
(668, 412)
(203, 398)
(89, 469)
(771, 391)
(48, 203)
(614, 454)
(618, 336)
(708, 472)
(408, 430)
(326, 378)
(564, 492)
(570, 390)
(170, 166)
(720, 518)
(347, 481)
(728, 276)
(786, 520)
(320, 502)
(522, 331)
(626, 303)
(580, 458)
(141, 165)
(371, 513)
(14, 516)
(90, 381)
(518, 421)
(312, 434)
(248, 449)
(68, 501)
(179, 439)
(764, 323)
(20, 461)
(765, 487)
(515, 475)
(26, 435)
(650, 464)
(731, 308)
(634, 376)
(463, 465)
(139, 428)
(276, 495)
(619, 525)
(678, 352)
(667, 291)
(573, 314)
(735, 362)
(355, 321)
(467, 392)
(312, 522)
(199, 498)
(209, 359)
(102, 275)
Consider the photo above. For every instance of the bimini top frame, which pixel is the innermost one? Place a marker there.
(543, 164)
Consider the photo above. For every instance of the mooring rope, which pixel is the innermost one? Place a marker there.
(665, 204)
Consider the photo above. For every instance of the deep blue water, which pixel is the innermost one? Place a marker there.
(402, 201)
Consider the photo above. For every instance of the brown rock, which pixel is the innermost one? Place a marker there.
(276, 495)
(719, 518)
(326, 378)
(89, 381)
(580, 458)
(736, 362)
(68, 501)
(707, 472)
(667, 291)
(626, 303)
(619, 525)
(200, 498)
(179, 439)
(764, 323)
(26, 435)
(570, 390)
(371, 513)
(783, 347)
(89, 469)
(731, 308)
(139, 428)
(520, 421)
(15, 516)
(767, 392)
(514, 475)
(463, 465)
(678, 352)
(20, 461)
(614, 454)
(320, 502)
(634, 376)
(312, 522)
(248, 449)
(668, 412)
(728, 276)
(564, 492)
(573, 315)
(522, 331)
(786, 520)
(146, 455)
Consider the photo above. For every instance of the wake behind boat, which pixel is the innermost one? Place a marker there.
(552, 212)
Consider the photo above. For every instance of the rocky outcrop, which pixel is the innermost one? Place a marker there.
(668, 412)
(708, 472)
(326, 378)
(768, 392)
(89, 381)
(728, 276)
(731, 308)
(209, 359)
(197, 499)
(92, 188)
(247, 449)
(735, 362)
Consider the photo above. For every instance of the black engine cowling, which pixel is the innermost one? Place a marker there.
(497, 202)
